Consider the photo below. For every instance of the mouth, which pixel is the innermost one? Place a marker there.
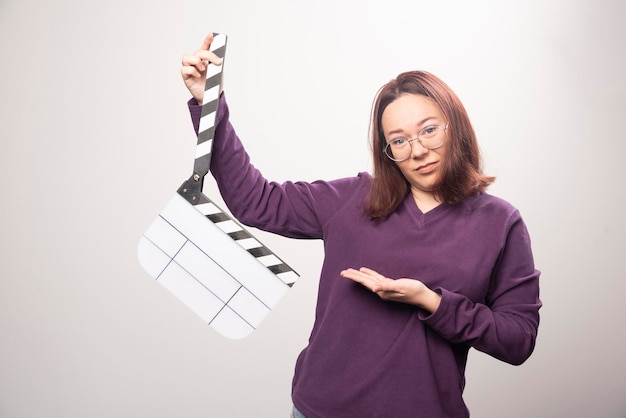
(426, 168)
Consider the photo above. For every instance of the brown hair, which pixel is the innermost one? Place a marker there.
(461, 174)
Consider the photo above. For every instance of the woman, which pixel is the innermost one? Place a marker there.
(420, 263)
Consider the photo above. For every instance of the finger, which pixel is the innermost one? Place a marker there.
(194, 61)
(374, 274)
(388, 286)
(351, 274)
(209, 56)
(369, 271)
(200, 59)
(377, 288)
(206, 44)
(190, 72)
(356, 276)
(205, 53)
(383, 289)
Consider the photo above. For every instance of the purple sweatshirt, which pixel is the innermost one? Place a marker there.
(372, 358)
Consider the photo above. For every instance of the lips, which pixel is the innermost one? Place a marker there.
(426, 168)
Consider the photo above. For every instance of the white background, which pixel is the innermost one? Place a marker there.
(96, 139)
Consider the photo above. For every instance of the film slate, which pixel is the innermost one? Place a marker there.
(201, 254)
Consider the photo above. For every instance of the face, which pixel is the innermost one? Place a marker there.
(405, 117)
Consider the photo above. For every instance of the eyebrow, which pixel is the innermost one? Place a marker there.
(420, 123)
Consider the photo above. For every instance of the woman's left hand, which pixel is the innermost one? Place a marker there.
(404, 290)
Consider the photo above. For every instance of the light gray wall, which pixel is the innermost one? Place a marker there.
(96, 139)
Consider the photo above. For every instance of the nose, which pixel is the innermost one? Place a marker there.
(417, 149)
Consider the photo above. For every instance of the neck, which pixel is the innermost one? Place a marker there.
(424, 200)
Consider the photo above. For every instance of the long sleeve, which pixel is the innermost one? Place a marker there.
(506, 325)
(292, 209)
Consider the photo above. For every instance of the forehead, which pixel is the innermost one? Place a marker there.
(409, 110)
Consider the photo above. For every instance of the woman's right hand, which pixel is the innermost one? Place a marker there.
(194, 68)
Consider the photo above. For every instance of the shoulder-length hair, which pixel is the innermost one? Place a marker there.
(461, 173)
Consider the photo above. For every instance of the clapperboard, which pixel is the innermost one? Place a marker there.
(204, 256)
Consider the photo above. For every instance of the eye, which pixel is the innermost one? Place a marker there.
(429, 131)
(398, 142)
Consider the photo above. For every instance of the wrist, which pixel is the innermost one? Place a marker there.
(430, 300)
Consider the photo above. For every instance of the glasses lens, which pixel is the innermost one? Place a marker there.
(398, 151)
(431, 137)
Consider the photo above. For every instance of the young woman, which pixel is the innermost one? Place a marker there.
(420, 263)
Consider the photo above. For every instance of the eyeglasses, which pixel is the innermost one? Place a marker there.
(430, 137)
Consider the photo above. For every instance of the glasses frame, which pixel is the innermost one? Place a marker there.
(387, 151)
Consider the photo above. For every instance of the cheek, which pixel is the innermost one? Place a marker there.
(442, 151)
(404, 168)
(442, 154)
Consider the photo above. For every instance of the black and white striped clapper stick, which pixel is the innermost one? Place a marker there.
(204, 256)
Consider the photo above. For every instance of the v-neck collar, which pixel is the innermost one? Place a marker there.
(421, 218)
